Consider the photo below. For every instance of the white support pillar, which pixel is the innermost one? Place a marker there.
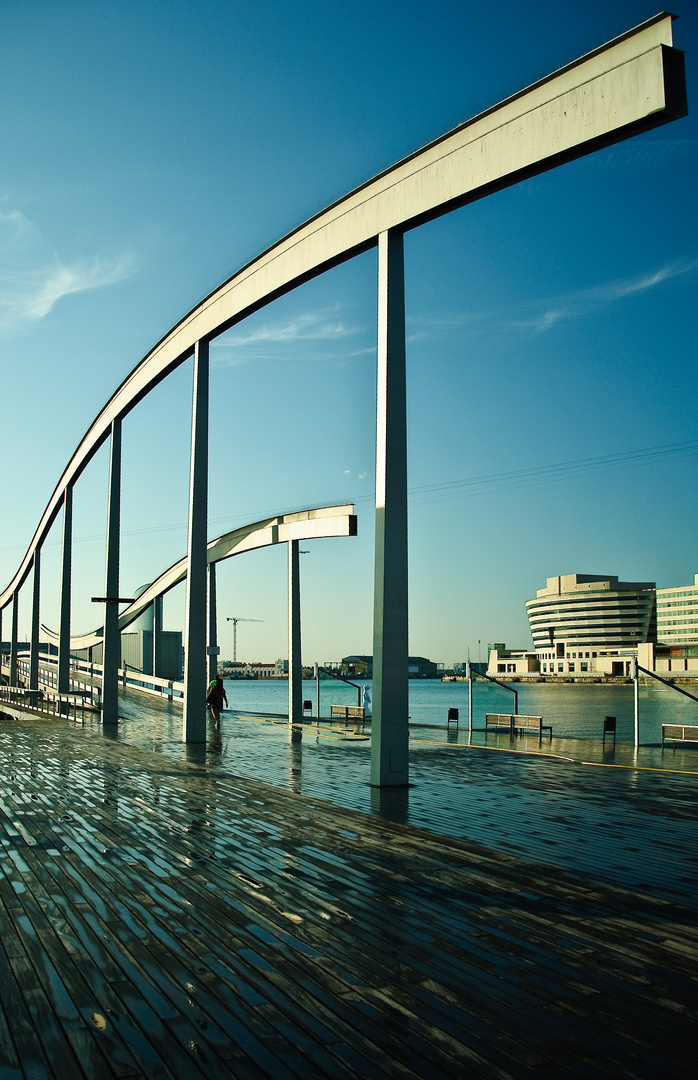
(13, 638)
(295, 669)
(111, 642)
(636, 700)
(34, 643)
(66, 578)
(157, 637)
(389, 724)
(194, 719)
(212, 623)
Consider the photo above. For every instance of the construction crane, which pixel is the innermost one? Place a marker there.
(235, 620)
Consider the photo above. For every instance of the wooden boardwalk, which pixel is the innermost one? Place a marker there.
(161, 917)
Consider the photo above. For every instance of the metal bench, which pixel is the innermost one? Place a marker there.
(498, 720)
(530, 723)
(674, 733)
(349, 713)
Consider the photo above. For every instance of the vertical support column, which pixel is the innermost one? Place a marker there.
(389, 724)
(295, 670)
(470, 695)
(111, 642)
(13, 638)
(636, 700)
(157, 637)
(194, 720)
(66, 578)
(212, 622)
(34, 644)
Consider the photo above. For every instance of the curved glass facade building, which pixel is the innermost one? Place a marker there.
(591, 614)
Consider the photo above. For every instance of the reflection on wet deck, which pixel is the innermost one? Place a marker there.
(178, 913)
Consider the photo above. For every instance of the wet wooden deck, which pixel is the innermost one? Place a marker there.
(162, 917)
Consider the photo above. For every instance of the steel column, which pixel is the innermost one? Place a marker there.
(636, 699)
(295, 670)
(34, 644)
(111, 643)
(389, 724)
(212, 622)
(194, 719)
(66, 576)
(157, 637)
(13, 639)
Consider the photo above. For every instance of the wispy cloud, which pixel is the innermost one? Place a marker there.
(15, 229)
(539, 316)
(324, 325)
(577, 304)
(28, 292)
(641, 154)
(29, 295)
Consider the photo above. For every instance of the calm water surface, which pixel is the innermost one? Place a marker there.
(575, 711)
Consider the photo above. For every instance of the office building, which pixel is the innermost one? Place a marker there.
(580, 621)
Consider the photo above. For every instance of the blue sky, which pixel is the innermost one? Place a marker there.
(151, 150)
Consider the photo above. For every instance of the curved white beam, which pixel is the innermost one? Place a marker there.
(628, 85)
(322, 521)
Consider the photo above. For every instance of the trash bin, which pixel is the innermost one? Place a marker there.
(609, 728)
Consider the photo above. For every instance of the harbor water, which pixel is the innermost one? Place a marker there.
(573, 710)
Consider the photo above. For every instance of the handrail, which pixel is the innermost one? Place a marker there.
(678, 689)
(40, 700)
(589, 103)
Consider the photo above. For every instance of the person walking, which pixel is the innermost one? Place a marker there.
(215, 698)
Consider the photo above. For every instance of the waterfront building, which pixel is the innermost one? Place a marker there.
(677, 614)
(589, 623)
(503, 661)
(361, 667)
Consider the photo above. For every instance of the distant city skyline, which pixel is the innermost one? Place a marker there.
(551, 351)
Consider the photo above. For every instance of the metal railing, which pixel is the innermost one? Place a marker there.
(70, 706)
(128, 676)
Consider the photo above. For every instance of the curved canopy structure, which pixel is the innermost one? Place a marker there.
(628, 85)
(313, 524)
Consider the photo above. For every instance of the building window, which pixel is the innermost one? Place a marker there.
(570, 667)
(560, 667)
(587, 655)
(501, 667)
(594, 655)
(584, 666)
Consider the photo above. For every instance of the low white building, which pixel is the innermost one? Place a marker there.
(504, 661)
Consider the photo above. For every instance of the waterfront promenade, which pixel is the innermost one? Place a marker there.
(163, 915)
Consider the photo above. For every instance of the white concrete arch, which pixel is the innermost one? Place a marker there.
(323, 521)
(628, 85)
